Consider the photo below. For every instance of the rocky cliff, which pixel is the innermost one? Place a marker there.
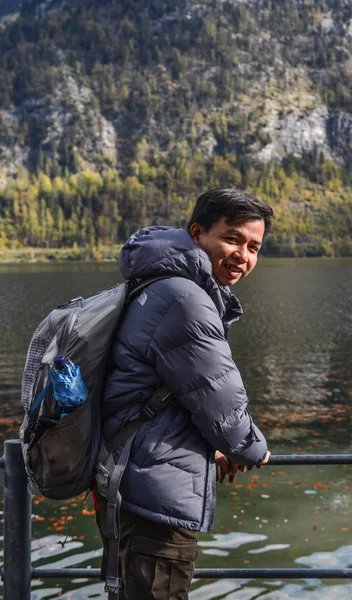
(86, 82)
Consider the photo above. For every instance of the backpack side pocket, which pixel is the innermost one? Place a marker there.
(61, 459)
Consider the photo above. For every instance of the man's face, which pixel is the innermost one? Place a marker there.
(233, 247)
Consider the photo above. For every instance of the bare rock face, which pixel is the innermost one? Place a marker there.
(13, 153)
(299, 124)
(46, 5)
(71, 116)
(208, 146)
(74, 109)
(292, 132)
(13, 158)
(339, 132)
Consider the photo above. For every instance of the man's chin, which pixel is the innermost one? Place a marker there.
(230, 280)
(233, 281)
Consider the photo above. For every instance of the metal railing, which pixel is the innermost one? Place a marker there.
(18, 572)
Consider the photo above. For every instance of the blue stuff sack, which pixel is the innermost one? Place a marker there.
(69, 389)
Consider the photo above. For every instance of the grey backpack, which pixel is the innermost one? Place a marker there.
(60, 446)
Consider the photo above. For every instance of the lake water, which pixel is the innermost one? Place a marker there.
(293, 346)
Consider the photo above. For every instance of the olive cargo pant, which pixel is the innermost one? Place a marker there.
(156, 561)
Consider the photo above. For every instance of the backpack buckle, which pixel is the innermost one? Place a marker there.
(113, 585)
(162, 397)
(148, 411)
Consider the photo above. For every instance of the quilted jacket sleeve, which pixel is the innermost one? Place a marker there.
(193, 358)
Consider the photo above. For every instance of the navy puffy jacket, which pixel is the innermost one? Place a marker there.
(174, 334)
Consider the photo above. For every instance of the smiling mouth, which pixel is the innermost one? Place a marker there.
(234, 271)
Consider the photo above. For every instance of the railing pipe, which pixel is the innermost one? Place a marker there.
(310, 459)
(238, 573)
(296, 573)
(17, 572)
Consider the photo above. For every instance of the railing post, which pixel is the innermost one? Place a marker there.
(17, 570)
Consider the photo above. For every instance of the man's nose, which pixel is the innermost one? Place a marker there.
(241, 254)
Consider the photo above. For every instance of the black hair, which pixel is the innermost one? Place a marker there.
(233, 204)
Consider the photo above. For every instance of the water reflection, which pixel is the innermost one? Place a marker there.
(94, 590)
(294, 349)
(295, 591)
(216, 589)
(302, 592)
(245, 594)
(233, 539)
(269, 548)
(341, 558)
(50, 545)
(75, 559)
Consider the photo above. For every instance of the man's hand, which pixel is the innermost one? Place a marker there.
(265, 459)
(237, 467)
(224, 467)
(230, 467)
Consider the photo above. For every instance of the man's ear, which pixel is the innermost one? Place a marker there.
(194, 231)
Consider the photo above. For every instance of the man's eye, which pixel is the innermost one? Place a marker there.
(254, 248)
(231, 239)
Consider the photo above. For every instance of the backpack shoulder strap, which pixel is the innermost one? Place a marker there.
(160, 399)
(136, 286)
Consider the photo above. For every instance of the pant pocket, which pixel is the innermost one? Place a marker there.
(159, 570)
(176, 547)
(155, 578)
(172, 579)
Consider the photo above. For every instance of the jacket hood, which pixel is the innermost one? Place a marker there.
(159, 250)
(156, 250)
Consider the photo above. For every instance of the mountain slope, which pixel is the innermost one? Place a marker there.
(275, 74)
(175, 96)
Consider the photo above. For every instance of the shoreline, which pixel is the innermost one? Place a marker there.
(96, 254)
(53, 255)
(106, 254)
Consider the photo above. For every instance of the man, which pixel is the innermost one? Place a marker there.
(175, 334)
